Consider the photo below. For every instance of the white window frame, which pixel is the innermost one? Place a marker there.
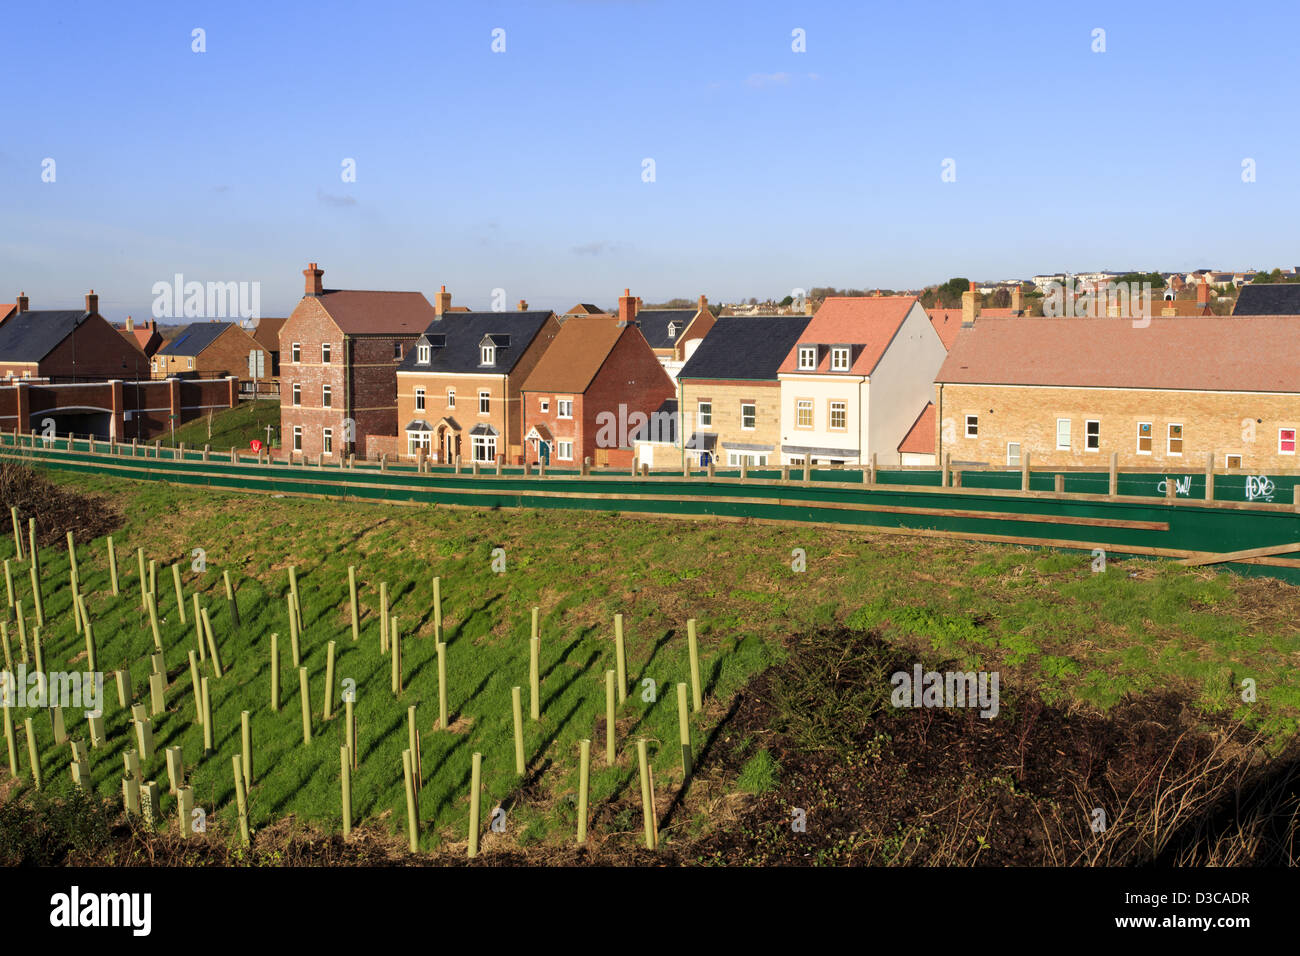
(543, 405)
(295, 352)
(297, 438)
(327, 441)
(327, 396)
(564, 408)
(972, 426)
(189, 363)
(807, 357)
(488, 445)
(419, 399)
(752, 416)
(560, 446)
(812, 411)
(1066, 422)
(451, 398)
(1227, 460)
(417, 440)
(484, 401)
(487, 355)
(1169, 439)
(1151, 437)
(704, 414)
(1016, 459)
(1087, 422)
(295, 392)
(840, 358)
(843, 408)
(325, 353)
(1295, 434)
(423, 354)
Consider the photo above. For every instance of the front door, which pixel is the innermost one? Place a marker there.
(543, 452)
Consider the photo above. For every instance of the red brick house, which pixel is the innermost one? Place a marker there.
(339, 352)
(585, 397)
(207, 350)
(66, 346)
(146, 337)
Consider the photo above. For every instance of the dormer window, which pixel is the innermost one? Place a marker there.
(423, 354)
(672, 330)
(807, 356)
(487, 355)
(840, 358)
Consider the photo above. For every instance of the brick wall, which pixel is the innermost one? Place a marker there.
(226, 355)
(631, 375)
(95, 351)
(1222, 423)
(726, 399)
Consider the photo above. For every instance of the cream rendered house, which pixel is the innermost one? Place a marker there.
(855, 382)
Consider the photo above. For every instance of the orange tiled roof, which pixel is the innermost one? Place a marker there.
(919, 439)
(868, 321)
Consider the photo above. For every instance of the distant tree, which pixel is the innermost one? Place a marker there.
(1000, 299)
(787, 300)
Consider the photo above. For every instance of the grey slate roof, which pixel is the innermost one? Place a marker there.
(30, 336)
(654, 325)
(1268, 298)
(745, 347)
(457, 336)
(195, 338)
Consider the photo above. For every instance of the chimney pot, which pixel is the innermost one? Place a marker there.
(130, 324)
(23, 302)
(523, 305)
(313, 276)
(441, 302)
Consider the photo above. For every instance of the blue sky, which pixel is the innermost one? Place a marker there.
(522, 170)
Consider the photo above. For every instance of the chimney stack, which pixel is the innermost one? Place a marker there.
(1203, 290)
(313, 274)
(808, 305)
(523, 305)
(704, 303)
(441, 302)
(1017, 303)
(970, 306)
(628, 307)
(23, 302)
(130, 324)
(92, 302)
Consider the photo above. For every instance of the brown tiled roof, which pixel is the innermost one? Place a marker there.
(1216, 353)
(585, 308)
(378, 313)
(919, 439)
(267, 333)
(576, 354)
(867, 321)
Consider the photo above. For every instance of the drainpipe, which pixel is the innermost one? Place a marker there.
(347, 395)
(939, 422)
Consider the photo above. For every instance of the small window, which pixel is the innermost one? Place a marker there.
(327, 396)
(748, 416)
(705, 418)
(297, 394)
(1092, 435)
(1013, 453)
(297, 438)
(839, 416)
(840, 359)
(327, 441)
(1175, 439)
(487, 355)
(1063, 434)
(564, 450)
(397, 350)
(297, 352)
(484, 402)
(807, 356)
(419, 399)
(804, 413)
(451, 398)
(325, 353)
(564, 407)
(1286, 441)
(1232, 461)
(189, 363)
(1144, 438)
(544, 405)
(423, 354)
(972, 426)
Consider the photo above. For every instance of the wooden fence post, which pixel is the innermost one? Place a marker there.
(1059, 483)
(1024, 472)
(943, 475)
(1209, 476)
(1113, 488)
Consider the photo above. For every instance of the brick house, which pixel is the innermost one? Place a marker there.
(146, 336)
(729, 392)
(588, 392)
(68, 345)
(854, 383)
(206, 350)
(339, 352)
(458, 387)
(1072, 391)
(673, 334)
